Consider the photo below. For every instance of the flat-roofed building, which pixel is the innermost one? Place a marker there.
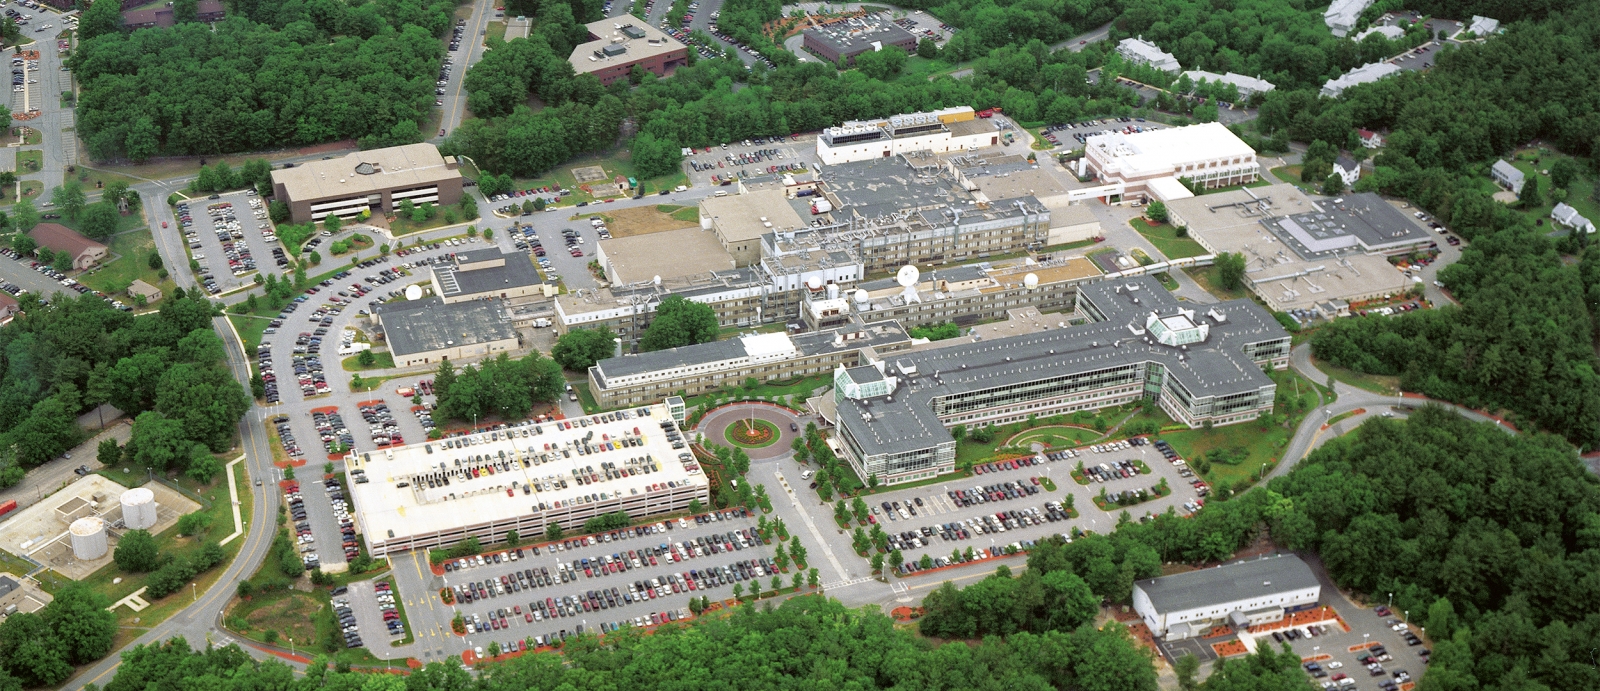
(1365, 74)
(1241, 594)
(1013, 177)
(966, 295)
(524, 478)
(845, 40)
(139, 288)
(692, 370)
(1140, 343)
(487, 273)
(60, 239)
(739, 220)
(376, 180)
(941, 131)
(616, 45)
(423, 332)
(1208, 154)
(206, 11)
(672, 253)
(1302, 254)
(1141, 52)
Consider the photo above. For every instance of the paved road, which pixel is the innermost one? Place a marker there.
(55, 123)
(1077, 43)
(455, 97)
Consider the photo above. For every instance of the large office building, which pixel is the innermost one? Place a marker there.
(1308, 257)
(423, 332)
(1208, 154)
(1139, 343)
(1342, 15)
(525, 478)
(485, 274)
(616, 46)
(376, 180)
(1365, 74)
(692, 370)
(1141, 52)
(843, 41)
(1241, 594)
(949, 130)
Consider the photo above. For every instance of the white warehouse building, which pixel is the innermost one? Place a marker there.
(1241, 594)
(1209, 154)
(941, 131)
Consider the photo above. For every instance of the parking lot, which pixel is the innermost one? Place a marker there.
(230, 235)
(1075, 135)
(372, 618)
(17, 275)
(320, 517)
(761, 157)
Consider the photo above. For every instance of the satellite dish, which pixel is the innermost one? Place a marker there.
(657, 280)
(814, 283)
(862, 296)
(907, 276)
(1031, 280)
(413, 292)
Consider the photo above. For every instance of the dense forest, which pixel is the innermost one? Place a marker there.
(167, 370)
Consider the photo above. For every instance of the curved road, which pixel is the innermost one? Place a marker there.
(715, 424)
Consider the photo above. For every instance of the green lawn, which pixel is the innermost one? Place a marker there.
(1251, 444)
(249, 328)
(1166, 240)
(1376, 383)
(29, 161)
(287, 614)
(1580, 195)
(381, 360)
(132, 252)
(30, 190)
(402, 225)
(1208, 277)
(615, 162)
(129, 222)
(799, 388)
(1289, 174)
(1055, 437)
(13, 564)
(687, 214)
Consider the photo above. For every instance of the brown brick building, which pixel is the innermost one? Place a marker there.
(615, 48)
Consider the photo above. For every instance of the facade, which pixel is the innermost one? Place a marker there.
(1507, 175)
(1365, 74)
(150, 292)
(207, 11)
(1141, 52)
(1208, 154)
(1139, 344)
(651, 377)
(1348, 169)
(1370, 139)
(1241, 594)
(525, 478)
(942, 131)
(740, 220)
(487, 274)
(966, 295)
(614, 49)
(1569, 217)
(422, 332)
(1247, 86)
(376, 180)
(1342, 15)
(845, 40)
(59, 238)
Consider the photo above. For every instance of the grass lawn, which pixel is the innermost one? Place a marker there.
(286, 614)
(11, 563)
(249, 328)
(1250, 445)
(1289, 174)
(1376, 383)
(1580, 194)
(585, 398)
(923, 68)
(800, 388)
(402, 225)
(30, 190)
(132, 251)
(130, 222)
(1166, 240)
(1055, 437)
(615, 162)
(1208, 277)
(383, 360)
(29, 161)
(93, 179)
(687, 214)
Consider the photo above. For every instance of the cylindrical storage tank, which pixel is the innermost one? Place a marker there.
(139, 508)
(88, 538)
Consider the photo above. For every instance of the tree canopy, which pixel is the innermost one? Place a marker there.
(500, 386)
(677, 322)
(577, 350)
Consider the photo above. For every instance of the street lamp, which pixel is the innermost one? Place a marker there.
(194, 593)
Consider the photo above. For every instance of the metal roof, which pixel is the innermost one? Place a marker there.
(419, 326)
(1229, 583)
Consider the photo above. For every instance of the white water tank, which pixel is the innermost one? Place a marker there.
(833, 291)
(88, 538)
(139, 509)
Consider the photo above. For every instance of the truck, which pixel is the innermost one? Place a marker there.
(821, 206)
(541, 323)
(8, 507)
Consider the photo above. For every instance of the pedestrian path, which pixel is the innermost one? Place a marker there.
(233, 495)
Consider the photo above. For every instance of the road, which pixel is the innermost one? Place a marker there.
(54, 122)
(455, 98)
(1077, 43)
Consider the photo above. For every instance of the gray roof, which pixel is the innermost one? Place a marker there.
(518, 272)
(1507, 171)
(6, 586)
(960, 274)
(1354, 222)
(808, 344)
(418, 326)
(1213, 367)
(863, 374)
(845, 42)
(1346, 162)
(1228, 583)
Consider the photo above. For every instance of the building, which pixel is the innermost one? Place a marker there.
(1483, 26)
(843, 41)
(1569, 217)
(376, 180)
(692, 370)
(207, 11)
(139, 288)
(1370, 139)
(1247, 86)
(615, 48)
(524, 478)
(59, 238)
(1388, 31)
(1348, 169)
(1141, 52)
(20, 594)
(740, 220)
(1342, 15)
(1302, 255)
(1208, 154)
(1010, 176)
(1365, 74)
(1241, 594)
(640, 258)
(9, 308)
(942, 131)
(518, 27)
(1507, 175)
(487, 273)
(966, 295)
(420, 332)
(1139, 344)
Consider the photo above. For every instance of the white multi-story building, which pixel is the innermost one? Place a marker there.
(1342, 15)
(941, 131)
(1209, 154)
(1365, 74)
(1241, 594)
(1142, 52)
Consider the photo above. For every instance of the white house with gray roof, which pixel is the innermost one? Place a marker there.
(1569, 217)
(1241, 594)
(1507, 175)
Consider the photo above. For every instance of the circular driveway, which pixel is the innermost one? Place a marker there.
(715, 426)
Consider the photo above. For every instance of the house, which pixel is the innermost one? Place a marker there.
(1483, 26)
(1348, 169)
(1342, 15)
(1370, 139)
(140, 288)
(1365, 74)
(8, 308)
(1507, 175)
(59, 238)
(1569, 217)
(1141, 52)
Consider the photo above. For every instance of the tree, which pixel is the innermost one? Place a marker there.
(99, 22)
(193, 523)
(108, 453)
(1562, 172)
(877, 562)
(577, 350)
(100, 220)
(469, 207)
(1528, 196)
(1230, 270)
(203, 466)
(136, 552)
(1333, 184)
(30, 650)
(679, 321)
(1157, 211)
(62, 262)
(331, 223)
(512, 538)
(185, 11)
(278, 211)
(927, 49)
(69, 198)
(654, 157)
(1185, 668)
(366, 358)
(25, 215)
(896, 559)
(23, 244)
(552, 532)
(81, 622)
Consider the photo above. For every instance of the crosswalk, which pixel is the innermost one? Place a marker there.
(836, 585)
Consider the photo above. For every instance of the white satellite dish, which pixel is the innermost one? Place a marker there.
(1031, 281)
(413, 292)
(907, 276)
(657, 280)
